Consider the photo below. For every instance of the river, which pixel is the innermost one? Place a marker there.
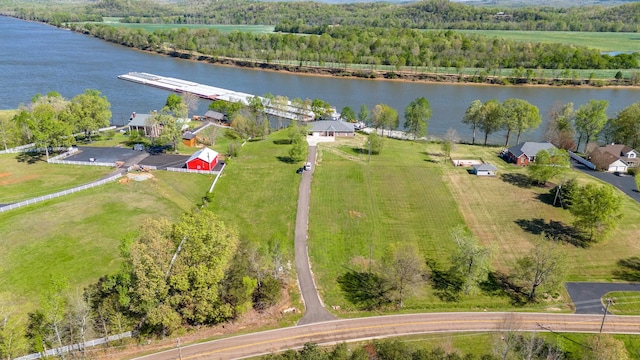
(38, 58)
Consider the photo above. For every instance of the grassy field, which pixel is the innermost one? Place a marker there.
(78, 236)
(624, 302)
(21, 180)
(258, 29)
(258, 193)
(603, 41)
(408, 194)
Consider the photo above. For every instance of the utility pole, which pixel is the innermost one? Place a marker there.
(606, 310)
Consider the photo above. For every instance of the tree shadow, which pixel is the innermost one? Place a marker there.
(447, 284)
(547, 198)
(499, 284)
(554, 230)
(286, 159)
(517, 179)
(282, 141)
(360, 151)
(30, 157)
(629, 269)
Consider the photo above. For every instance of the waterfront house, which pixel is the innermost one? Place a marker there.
(525, 152)
(332, 128)
(614, 158)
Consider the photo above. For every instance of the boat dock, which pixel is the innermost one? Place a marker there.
(215, 93)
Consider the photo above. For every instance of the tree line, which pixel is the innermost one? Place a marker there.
(430, 14)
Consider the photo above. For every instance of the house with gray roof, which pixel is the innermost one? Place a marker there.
(141, 124)
(525, 152)
(615, 157)
(332, 128)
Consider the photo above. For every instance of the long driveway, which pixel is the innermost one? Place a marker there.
(626, 183)
(586, 296)
(332, 332)
(315, 310)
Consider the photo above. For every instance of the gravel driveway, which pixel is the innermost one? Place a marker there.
(586, 295)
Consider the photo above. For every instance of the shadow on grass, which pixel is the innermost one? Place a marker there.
(361, 151)
(282, 141)
(517, 179)
(30, 157)
(286, 159)
(629, 269)
(499, 284)
(554, 230)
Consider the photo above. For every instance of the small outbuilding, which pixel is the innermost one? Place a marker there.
(189, 139)
(215, 116)
(203, 159)
(485, 170)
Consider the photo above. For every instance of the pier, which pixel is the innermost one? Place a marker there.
(215, 93)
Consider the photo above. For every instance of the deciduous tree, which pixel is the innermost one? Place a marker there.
(417, 115)
(548, 164)
(520, 116)
(560, 131)
(363, 114)
(604, 347)
(590, 118)
(597, 210)
(472, 117)
(471, 259)
(542, 268)
(348, 114)
(403, 267)
(625, 127)
(491, 118)
(89, 112)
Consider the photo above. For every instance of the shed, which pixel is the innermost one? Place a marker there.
(189, 139)
(485, 170)
(203, 159)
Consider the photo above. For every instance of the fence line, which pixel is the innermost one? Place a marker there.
(59, 194)
(18, 149)
(85, 163)
(217, 176)
(211, 172)
(78, 346)
(581, 160)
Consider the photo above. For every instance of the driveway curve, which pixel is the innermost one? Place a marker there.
(332, 332)
(314, 309)
(625, 183)
(586, 296)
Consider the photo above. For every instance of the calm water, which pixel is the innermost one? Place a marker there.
(37, 58)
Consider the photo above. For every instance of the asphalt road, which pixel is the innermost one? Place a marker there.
(626, 183)
(314, 309)
(337, 331)
(586, 296)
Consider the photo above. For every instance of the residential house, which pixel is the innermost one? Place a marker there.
(525, 152)
(215, 116)
(141, 124)
(614, 158)
(332, 128)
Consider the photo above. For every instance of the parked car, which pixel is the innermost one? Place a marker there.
(300, 170)
(307, 166)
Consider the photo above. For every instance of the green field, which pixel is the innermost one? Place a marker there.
(21, 180)
(257, 29)
(77, 236)
(604, 41)
(624, 302)
(408, 194)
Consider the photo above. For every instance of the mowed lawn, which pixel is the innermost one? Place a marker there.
(21, 180)
(495, 209)
(78, 236)
(398, 197)
(258, 193)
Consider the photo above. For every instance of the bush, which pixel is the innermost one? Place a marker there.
(234, 148)
(632, 171)
(375, 143)
(267, 293)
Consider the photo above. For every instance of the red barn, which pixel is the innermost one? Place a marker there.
(203, 159)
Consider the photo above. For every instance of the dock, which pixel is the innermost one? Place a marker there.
(215, 93)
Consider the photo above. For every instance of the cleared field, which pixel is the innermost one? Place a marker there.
(21, 180)
(258, 29)
(258, 194)
(498, 210)
(78, 236)
(608, 42)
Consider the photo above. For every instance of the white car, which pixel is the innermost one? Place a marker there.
(307, 166)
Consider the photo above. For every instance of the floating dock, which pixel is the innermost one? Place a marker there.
(215, 93)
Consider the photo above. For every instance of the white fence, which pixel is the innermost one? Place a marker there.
(193, 171)
(59, 194)
(85, 163)
(74, 347)
(18, 149)
(581, 160)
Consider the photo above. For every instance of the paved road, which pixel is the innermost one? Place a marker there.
(315, 310)
(586, 296)
(331, 332)
(625, 183)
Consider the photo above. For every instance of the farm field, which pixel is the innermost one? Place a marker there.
(258, 193)
(408, 194)
(78, 236)
(22, 180)
(607, 42)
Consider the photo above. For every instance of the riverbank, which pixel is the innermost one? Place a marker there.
(480, 78)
